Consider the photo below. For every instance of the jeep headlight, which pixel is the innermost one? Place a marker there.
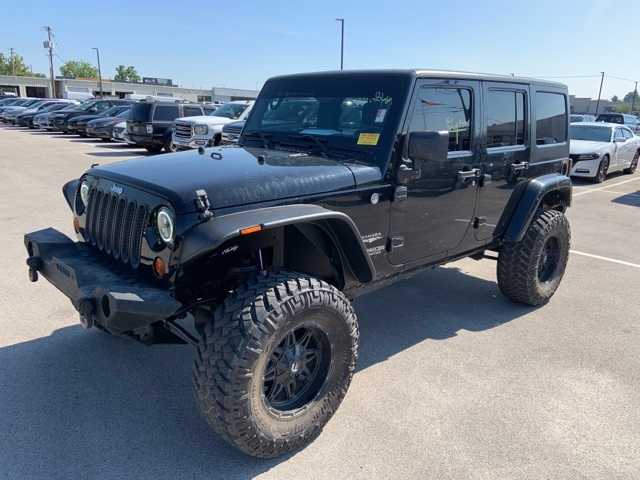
(84, 193)
(200, 129)
(164, 222)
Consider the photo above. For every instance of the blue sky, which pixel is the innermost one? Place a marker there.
(241, 44)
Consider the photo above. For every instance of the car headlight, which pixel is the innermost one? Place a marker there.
(587, 156)
(200, 129)
(164, 222)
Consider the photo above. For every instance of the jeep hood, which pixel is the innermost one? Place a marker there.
(207, 120)
(238, 178)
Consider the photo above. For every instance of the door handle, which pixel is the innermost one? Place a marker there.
(467, 174)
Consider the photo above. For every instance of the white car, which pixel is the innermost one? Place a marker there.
(598, 149)
(206, 130)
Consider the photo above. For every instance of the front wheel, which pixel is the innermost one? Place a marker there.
(275, 361)
(154, 149)
(529, 271)
(603, 169)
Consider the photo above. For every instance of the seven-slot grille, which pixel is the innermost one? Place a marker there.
(115, 225)
(184, 130)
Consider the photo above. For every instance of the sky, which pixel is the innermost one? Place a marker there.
(240, 44)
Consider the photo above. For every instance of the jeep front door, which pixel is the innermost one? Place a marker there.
(438, 209)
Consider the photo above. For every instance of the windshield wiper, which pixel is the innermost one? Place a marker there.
(322, 145)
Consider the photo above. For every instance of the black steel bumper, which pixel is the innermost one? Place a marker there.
(112, 297)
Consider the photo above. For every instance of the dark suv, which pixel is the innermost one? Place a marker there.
(150, 124)
(60, 120)
(342, 182)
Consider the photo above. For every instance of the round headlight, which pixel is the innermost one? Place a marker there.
(165, 224)
(84, 193)
(200, 129)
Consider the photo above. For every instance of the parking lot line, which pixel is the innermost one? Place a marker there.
(590, 190)
(606, 259)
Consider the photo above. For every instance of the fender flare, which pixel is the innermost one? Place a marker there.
(517, 219)
(69, 190)
(206, 237)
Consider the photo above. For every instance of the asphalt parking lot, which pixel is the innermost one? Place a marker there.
(453, 382)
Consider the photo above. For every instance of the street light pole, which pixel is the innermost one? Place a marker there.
(99, 72)
(633, 101)
(599, 93)
(341, 20)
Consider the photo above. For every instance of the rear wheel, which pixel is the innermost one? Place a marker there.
(603, 169)
(530, 271)
(634, 164)
(275, 362)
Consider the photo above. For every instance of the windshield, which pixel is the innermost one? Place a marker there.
(113, 111)
(55, 106)
(124, 114)
(591, 134)
(86, 106)
(229, 110)
(353, 115)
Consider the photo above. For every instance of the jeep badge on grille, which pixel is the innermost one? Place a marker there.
(117, 189)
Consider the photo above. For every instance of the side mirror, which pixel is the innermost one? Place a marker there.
(429, 146)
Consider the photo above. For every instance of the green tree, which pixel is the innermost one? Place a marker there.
(126, 74)
(78, 69)
(615, 99)
(14, 66)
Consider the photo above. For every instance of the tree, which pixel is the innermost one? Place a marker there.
(14, 66)
(78, 69)
(615, 99)
(126, 74)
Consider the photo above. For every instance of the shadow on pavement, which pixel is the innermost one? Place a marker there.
(631, 199)
(80, 404)
(120, 153)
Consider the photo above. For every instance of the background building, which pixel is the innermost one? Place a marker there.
(588, 105)
(68, 88)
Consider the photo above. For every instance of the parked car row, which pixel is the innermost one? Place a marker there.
(630, 121)
(152, 123)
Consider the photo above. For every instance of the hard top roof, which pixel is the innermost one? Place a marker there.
(430, 73)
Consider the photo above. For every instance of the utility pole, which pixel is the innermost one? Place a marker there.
(633, 101)
(49, 45)
(13, 61)
(99, 72)
(341, 20)
(599, 93)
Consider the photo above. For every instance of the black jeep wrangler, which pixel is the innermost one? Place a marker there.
(341, 183)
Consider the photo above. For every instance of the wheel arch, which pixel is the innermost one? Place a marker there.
(331, 232)
(549, 192)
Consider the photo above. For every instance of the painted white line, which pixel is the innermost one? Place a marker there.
(606, 259)
(584, 192)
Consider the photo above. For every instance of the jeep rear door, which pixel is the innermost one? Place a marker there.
(438, 209)
(506, 151)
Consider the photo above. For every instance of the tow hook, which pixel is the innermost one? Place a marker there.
(35, 264)
(86, 310)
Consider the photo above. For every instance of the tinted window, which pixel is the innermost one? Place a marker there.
(445, 109)
(166, 113)
(551, 118)
(192, 111)
(590, 133)
(505, 118)
(140, 112)
(610, 118)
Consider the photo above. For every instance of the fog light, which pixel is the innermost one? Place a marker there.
(159, 267)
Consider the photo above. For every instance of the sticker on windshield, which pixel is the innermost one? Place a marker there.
(380, 114)
(368, 138)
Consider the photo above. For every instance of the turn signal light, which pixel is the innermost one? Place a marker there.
(76, 224)
(250, 230)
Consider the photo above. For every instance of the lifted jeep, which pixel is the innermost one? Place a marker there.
(341, 182)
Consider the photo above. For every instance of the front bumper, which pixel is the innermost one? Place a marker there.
(100, 132)
(585, 168)
(114, 298)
